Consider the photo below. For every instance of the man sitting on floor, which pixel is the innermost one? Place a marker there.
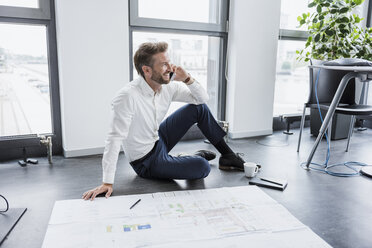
(138, 109)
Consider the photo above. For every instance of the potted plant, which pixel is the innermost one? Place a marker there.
(335, 32)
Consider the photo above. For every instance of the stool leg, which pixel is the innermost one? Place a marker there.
(329, 132)
(351, 128)
(301, 128)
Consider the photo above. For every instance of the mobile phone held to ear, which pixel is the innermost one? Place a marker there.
(172, 75)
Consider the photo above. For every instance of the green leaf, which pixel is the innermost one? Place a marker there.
(302, 22)
(304, 16)
(342, 20)
(319, 9)
(333, 11)
(344, 10)
(321, 24)
(312, 4)
(358, 2)
(317, 37)
(299, 18)
(329, 32)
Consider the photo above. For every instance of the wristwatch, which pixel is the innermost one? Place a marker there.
(187, 80)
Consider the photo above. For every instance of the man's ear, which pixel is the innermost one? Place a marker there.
(147, 70)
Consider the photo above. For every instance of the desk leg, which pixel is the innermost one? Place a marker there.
(330, 113)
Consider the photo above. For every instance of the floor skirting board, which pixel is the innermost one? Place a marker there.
(248, 134)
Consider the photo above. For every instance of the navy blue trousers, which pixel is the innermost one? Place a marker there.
(164, 166)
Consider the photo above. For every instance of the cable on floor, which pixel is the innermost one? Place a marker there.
(7, 205)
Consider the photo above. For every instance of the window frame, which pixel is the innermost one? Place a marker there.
(369, 14)
(142, 24)
(11, 146)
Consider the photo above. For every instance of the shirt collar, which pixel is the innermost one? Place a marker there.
(146, 89)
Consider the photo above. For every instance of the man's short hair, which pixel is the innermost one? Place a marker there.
(145, 52)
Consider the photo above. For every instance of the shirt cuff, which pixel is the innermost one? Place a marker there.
(108, 178)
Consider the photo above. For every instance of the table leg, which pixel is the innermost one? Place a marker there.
(332, 108)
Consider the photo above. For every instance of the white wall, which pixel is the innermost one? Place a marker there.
(93, 59)
(253, 38)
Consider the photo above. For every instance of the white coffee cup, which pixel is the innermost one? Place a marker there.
(250, 169)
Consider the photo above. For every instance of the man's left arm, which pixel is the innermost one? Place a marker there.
(190, 90)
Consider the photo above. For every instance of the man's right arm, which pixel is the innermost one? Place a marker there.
(123, 111)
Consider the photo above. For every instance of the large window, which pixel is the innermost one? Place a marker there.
(196, 40)
(29, 99)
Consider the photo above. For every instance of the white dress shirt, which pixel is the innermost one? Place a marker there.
(137, 113)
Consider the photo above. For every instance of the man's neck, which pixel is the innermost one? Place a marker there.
(154, 85)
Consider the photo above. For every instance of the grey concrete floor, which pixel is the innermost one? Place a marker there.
(337, 209)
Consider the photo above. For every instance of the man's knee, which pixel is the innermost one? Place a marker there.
(198, 107)
(204, 168)
(203, 107)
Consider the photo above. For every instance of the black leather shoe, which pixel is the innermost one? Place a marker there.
(231, 161)
(208, 155)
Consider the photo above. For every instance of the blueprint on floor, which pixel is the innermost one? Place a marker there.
(222, 217)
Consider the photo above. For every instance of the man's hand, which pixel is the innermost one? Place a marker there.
(105, 187)
(181, 74)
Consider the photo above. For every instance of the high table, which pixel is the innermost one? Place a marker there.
(364, 73)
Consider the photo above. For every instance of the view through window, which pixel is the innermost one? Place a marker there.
(24, 80)
(292, 79)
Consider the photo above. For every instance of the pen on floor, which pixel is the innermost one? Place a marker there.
(135, 204)
(271, 181)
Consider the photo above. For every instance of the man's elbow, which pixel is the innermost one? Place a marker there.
(205, 98)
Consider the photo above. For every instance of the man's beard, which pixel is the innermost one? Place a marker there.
(157, 77)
